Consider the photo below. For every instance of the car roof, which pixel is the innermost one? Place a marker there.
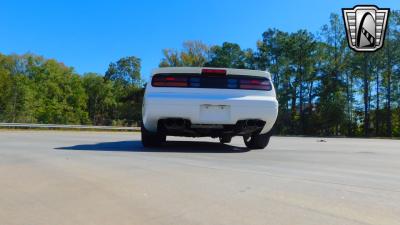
(197, 70)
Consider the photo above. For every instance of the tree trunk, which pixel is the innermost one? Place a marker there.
(377, 113)
(366, 97)
(388, 96)
(310, 97)
(310, 90)
(349, 97)
(293, 107)
(389, 108)
(301, 102)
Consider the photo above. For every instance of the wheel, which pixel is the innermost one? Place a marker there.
(150, 139)
(225, 139)
(257, 141)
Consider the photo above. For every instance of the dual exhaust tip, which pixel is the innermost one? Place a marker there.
(173, 123)
(179, 123)
(252, 123)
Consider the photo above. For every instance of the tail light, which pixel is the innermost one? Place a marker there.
(169, 81)
(255, 84)
(210, 79)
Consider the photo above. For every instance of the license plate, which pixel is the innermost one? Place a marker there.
(215, 113)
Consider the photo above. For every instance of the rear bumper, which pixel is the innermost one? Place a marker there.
(209, 110)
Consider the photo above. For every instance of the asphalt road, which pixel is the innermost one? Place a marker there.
(71, 178)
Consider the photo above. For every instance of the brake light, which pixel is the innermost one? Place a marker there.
(169, 81)
(213, 72)
(255, 84)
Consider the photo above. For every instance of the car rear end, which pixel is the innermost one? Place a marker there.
(222, 103)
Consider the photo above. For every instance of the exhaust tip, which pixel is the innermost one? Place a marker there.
(175, 123)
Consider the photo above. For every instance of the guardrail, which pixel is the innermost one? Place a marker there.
(60, 126)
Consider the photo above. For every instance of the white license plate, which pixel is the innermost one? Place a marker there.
(215, 113)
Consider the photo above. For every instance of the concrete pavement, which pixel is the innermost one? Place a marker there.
(63, 178)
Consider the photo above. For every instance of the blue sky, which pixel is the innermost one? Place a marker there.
(88, 35)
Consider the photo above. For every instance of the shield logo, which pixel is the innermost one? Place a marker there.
(365, 27)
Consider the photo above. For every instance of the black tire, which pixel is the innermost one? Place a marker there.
(225, 139)
(257, 141)
(150, 139)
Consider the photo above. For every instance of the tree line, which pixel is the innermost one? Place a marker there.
(38, 90)
(323, 87)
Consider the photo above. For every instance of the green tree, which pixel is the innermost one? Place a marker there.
(127, 89)
(101, 100)
(18, 97)
(301, 52)
(6, 84)
(229, 55)
(391, 73)
(60, 96)
(271, 55)
(125, 71)
(332, 96)
(194, 53)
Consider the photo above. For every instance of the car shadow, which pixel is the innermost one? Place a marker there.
(170, 146)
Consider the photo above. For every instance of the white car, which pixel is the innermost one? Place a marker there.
(214, 102)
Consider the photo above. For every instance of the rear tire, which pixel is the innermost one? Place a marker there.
(150, 139)
(257, 141)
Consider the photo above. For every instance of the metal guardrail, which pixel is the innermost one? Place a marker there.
(60, 126)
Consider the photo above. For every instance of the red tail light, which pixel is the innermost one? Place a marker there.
(212, 80)
(169, 81)
(255, 84)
